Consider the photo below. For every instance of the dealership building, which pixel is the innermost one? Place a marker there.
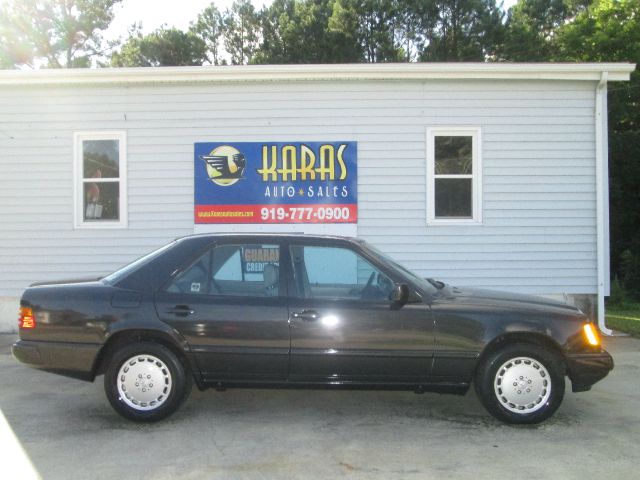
(489, 175)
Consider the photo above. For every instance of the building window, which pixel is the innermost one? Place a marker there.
(454, 176)
(100, 166)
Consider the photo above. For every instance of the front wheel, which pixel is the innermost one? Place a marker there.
(146, 382)
(521, 383)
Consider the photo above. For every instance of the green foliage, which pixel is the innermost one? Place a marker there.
(281, 33)
(241, 31)
(605, 31)
(624, 318)
(13, 51)
(53, 33)
(370, 24)
(630, 271)
(624, 179)
(618, 296)
(608, 31)
(629, 325)
(209, 27)
(531, 27)
(413, 20)
(344, 21)
(462, 30)
(300, 32)
(426, 30)
(164, 47)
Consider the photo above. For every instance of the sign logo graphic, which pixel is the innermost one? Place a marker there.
(225, 165)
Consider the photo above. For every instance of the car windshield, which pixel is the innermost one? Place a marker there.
(136, 264)
(424, 283)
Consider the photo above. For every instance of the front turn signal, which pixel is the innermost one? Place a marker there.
(26, 319)
(592, 334)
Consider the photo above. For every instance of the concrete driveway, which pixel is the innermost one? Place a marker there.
(69, 431)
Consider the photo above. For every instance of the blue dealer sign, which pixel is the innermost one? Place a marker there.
(276, 182)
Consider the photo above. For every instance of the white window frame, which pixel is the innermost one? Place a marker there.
(476, 176)
(79, 180)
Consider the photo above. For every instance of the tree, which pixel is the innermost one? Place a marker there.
(371, 25)
(12, 51)
(164, 47)
(607, 30)
(345, 22)
(53, 33)
(464, 30)
(297, 31)
(209, 27)
(425, 30)
(279, 35)
(241, 31)
(532, 25)
(413, 19)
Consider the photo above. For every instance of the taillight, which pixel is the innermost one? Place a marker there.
(592, 335)
(26, 319)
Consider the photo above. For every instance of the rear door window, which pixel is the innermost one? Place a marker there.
(238, 270)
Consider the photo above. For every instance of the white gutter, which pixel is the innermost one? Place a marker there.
(601, 168)
(329, 72)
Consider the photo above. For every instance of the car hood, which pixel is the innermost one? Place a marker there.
(493, 297)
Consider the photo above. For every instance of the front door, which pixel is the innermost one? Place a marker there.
(230, 306)
(344, 328)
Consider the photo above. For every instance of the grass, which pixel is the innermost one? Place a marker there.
(624, 318)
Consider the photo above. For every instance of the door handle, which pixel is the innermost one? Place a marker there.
(181, 310)
(306, 315)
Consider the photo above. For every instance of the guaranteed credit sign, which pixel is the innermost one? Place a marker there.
(275, 182)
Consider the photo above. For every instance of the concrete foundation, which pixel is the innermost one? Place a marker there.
(9, 314)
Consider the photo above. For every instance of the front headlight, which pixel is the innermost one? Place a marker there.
(592, 334)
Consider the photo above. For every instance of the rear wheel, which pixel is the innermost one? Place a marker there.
(146, 382)
(521, 383)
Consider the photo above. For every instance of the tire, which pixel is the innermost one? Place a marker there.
(146, 382)
(521, 383)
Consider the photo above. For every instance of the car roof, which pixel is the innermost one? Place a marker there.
(272, 235)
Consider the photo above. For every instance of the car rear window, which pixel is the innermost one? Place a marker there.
(125, 271)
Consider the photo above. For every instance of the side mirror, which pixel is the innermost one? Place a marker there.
(400, 294)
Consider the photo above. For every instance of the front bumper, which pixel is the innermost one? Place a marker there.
(70, 359)
(586, 369)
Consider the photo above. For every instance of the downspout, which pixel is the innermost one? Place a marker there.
(601, 217)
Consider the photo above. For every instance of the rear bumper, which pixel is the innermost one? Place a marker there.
(70, 359)
(586, 369)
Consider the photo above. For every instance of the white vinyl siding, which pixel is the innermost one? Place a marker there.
(538, 231)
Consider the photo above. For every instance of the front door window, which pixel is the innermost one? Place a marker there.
(337, 273)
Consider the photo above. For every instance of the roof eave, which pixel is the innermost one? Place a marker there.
(329, 72)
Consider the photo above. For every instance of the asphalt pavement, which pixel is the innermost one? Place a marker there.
(68, 431)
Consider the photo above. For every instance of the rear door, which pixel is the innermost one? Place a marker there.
(230, 305)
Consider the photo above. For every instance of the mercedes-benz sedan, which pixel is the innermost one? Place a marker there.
(302, 311)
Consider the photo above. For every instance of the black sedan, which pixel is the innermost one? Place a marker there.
(302, 311)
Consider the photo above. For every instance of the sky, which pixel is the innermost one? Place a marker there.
(155, 13)
(173, 13)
